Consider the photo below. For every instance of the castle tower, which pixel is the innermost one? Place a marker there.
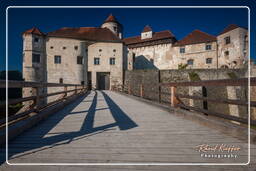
(34, 61)
(112, 24)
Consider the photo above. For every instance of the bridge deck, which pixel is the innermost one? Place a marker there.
(108, 127)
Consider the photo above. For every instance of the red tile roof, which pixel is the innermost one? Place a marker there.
(229, 28)
(195, 37)
(34, 30)
(146, 29)
(156, 36)
(86, 33)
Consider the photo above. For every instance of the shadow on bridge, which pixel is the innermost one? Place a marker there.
(122, 121)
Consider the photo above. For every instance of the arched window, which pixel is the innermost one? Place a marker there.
(224, 67)
(190, 62)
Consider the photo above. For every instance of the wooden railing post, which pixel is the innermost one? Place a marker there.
(174, 100)
(75, 89)
(65, 94)
(141, 91)
(159, 93)
(36, 102)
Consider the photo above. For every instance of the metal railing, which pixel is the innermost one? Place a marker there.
(38, 96)
(175, 98)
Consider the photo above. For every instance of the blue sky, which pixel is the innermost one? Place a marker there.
(180, 21)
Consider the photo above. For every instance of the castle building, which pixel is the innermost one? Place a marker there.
(98, 56)
(197, 50)
(93, 56)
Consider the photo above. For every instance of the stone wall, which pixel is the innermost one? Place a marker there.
(150, 79)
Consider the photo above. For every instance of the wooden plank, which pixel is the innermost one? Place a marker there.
(224, 116)
(21, 84)
(227, 101)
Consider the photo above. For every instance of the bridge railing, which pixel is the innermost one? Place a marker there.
(175, 99)
(38, 99)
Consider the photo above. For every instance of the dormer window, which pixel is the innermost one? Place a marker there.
(146, 33)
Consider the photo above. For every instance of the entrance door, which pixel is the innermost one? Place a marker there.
(103, 80)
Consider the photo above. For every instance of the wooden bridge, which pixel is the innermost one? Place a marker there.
(116, 127)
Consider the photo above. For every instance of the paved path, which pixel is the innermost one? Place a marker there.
(107, 127)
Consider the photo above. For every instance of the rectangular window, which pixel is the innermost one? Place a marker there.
(227, 40)
(182, 50)
(96, 61)
(36, 40)
(226, 53)
(208, 47)
(57, 59)
(190, 62)
(35, 58)
(79, 59)
(112, 61)
(208, 60)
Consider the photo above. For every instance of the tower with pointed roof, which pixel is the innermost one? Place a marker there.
(112, 24)
(34, 62)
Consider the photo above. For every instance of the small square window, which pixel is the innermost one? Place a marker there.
(96, 61)
(51, 47)
(208, 60)
(182, 50)
(57, 59)
(36, 39)
(112, 61)
(75, 47)
(79, 60)
(226, 53)
(35, 58)
(208, 47)
(64, 47)
(100, 50)
(227, 40)
(114, 50)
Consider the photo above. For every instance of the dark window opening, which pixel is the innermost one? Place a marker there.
(75, 47)
(61, 80)
(36, 39)
(100, 50)
(63, 47)
(112, 61)
(114, 50)
(57, 59)
(208, 47)
(182, 50)
(96, 61)
(79, 60)
(208, 60)
(51, 47)
(190, 62)
(35, 58)
(227, 40)
(82, 82)
(226, 53)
